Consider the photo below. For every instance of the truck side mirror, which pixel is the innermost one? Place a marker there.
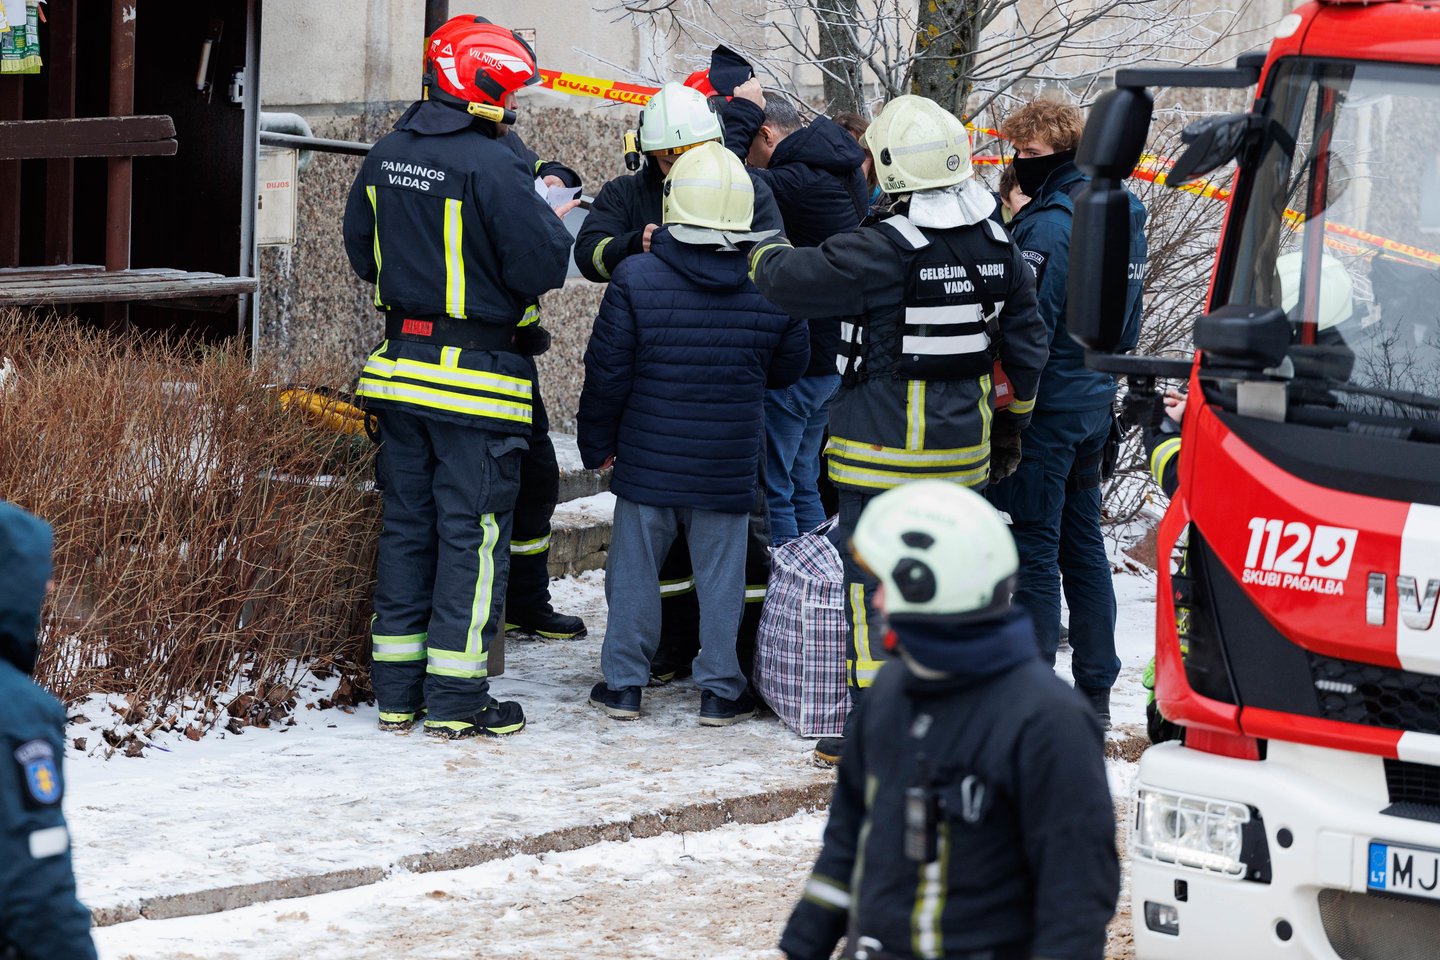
(1211, 143)
(1243, 336)
(1100, 236)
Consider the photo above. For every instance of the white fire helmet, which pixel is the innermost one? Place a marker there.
(918, 145)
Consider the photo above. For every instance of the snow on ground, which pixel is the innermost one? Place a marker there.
(720, 895)
(331, 792)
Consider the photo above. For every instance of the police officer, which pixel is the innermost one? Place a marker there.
(40, 919)
(622, 219)
(1054, 497)
(444, 220)
(974, 791)
(931, 296)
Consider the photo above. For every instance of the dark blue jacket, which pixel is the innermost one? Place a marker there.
(675, 375)
(820, 189)
(39, 915)
(1042, 231)
(485, 255)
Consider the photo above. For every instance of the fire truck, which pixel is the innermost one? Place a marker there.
(1296, 642)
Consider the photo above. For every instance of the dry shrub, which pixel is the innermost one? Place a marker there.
(205, 537)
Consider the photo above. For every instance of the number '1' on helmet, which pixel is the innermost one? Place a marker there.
(941, 552)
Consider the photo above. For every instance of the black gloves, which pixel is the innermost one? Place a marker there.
(1004, 447)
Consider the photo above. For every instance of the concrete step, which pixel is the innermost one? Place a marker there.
(580, 529)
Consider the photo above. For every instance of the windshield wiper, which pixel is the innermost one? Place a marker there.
(1407, 398)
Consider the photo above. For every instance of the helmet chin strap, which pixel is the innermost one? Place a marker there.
(485, 111)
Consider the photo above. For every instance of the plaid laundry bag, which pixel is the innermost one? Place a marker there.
(800, 648)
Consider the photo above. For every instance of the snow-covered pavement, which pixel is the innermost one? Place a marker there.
(332, 794)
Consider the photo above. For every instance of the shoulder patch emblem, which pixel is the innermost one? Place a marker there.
(39, 773)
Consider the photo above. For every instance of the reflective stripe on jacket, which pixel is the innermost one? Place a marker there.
(450, 383)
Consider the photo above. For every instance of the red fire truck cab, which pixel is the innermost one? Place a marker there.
(1296, 636)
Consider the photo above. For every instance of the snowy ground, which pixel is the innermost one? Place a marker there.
(331, 793)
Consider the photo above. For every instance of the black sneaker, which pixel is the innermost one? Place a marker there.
(716, 711)
(827, 751)
(500, 719)
(399, 721)
(622, 703)
(1099, 700)
(543, 624)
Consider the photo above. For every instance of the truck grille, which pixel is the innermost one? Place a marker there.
(1413, 782)
(1376, 696)
(1364, 926)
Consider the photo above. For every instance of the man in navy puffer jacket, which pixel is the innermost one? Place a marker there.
(675, 374)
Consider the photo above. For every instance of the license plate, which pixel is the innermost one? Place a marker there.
(1407, 870)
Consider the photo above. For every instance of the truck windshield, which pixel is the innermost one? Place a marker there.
(1341, 225)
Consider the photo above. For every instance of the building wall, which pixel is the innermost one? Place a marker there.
(315, 312)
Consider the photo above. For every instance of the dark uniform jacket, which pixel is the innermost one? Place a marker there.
(675, 373)
(917, 349)
(820, 190)
(1025, 862)
(615, 227)
(1042, 230)
(444, 220)
(40, 919)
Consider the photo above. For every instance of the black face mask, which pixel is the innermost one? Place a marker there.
(1032, 172)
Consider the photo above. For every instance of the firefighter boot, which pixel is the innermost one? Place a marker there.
(544, 624)
(827, 751)
(393, 722)
(499, 719)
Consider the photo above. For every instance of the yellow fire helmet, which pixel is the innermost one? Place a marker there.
(708, 187)
(918, 145)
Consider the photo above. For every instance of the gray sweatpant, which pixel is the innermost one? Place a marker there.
(641, 536)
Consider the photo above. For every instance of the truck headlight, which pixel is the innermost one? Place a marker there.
(1213, 836)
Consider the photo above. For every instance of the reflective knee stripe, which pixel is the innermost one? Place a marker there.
(597, 259)
(375, 213)
(925, 935)
(673, 588)
(470, 662)
(827, 893)
(915, 416)
(529, 548)
(755, 592)
(1021, 407)
(863, 665)
(386, 649)
(454, 260)
(531, 316)
(1161, 456)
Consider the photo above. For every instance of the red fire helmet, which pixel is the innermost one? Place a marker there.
(477, 61)
(700, 80)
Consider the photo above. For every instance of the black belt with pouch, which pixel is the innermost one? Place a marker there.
(468, 334)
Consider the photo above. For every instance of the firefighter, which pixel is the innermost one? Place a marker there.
(1054, 497)
(931, 296)
(974, 793)
(624, 216)
(40, 919)
(528, 611)
(444, 221)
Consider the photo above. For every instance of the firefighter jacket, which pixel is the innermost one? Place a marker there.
(1162, 444)
(40, 918)
(1012, 854)
(918, 343)
(615, 226)
(1042, 231)
(443, 219)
